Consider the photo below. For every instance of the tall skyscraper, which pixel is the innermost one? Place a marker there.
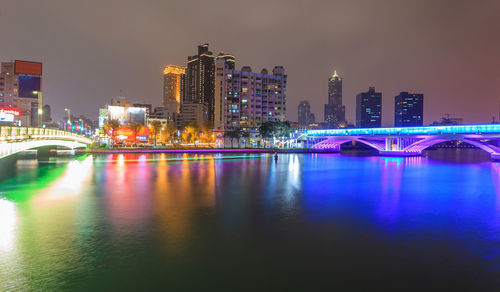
(334, 109)
(246, 99)
(173, 77)
(369, 109)
(198, 97)
(409, 110)
(46, 116)
(305, 117)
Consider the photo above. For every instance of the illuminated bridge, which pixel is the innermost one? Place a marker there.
(17, 139)
(407, 141)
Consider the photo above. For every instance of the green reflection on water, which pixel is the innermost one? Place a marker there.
(24, 187)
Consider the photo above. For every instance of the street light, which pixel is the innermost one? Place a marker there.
(69, 115)
(40, 111)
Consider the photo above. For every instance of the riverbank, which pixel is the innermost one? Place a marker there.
(196, 150)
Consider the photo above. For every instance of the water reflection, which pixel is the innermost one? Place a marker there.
(136, 220)
(8, 225)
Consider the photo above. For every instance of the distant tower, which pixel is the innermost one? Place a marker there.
(409, 110)
(369, 109)
(304, 112)
(334, 109)
(46, 116)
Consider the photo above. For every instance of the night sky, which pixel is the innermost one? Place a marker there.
(93, 50)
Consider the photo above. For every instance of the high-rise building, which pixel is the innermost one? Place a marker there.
(21, 89)
(246, 99)
(197, 103)
(173, 78)
(46, 116)
(334, 109)
(409, 110)
(312, 118)
(229, 58)
(305, 117)
(369, 109)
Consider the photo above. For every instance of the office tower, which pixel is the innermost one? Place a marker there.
(312, 118)
(198, 97)
(369, 109)
(46, 116)
(305, 117)
(334, 109)
(21, 89)
(304, 110)
(173, 78)
(246, 99)
(409, 110)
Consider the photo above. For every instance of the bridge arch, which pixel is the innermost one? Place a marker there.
(425, 143)
(334, 144)
(10, 148)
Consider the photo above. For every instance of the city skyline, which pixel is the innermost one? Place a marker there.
(447, 59)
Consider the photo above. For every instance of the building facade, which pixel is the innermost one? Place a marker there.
(21, 90)
(198, 92)
(246, 99)
(334, 109)
(173, 79)
(122, 111)
(409, 110)
(369, 109)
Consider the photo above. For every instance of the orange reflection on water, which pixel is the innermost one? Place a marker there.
(178, 188)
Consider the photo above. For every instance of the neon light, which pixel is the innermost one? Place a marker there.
(9, 111)
(430, 130)
(177, 151)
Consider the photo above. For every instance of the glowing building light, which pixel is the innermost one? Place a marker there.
(430, 130)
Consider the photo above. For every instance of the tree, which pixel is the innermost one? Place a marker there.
(266, 130)
(111, 128)
(275, 129)
(136, 127)
(190, 133)
(155, 128)
(171, 132)
(206, 133)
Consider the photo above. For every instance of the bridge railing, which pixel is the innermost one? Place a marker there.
(12, 134)
(427, 130)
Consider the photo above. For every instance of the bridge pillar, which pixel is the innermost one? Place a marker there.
(495, 156)
(396, 146)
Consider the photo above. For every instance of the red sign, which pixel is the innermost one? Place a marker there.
(9, 111)
(27, 67)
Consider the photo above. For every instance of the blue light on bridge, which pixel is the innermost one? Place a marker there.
(430, 130)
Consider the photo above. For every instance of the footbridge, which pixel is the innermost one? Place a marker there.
(17, 139)
(407, 141)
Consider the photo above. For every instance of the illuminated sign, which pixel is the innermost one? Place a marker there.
(10, 111)
(29, 86)
(27, 68)
(127, 114)
(7, 114)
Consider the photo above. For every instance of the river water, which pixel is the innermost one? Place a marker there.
(150, 222)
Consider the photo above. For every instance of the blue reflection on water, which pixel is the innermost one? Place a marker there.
(173, 218)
